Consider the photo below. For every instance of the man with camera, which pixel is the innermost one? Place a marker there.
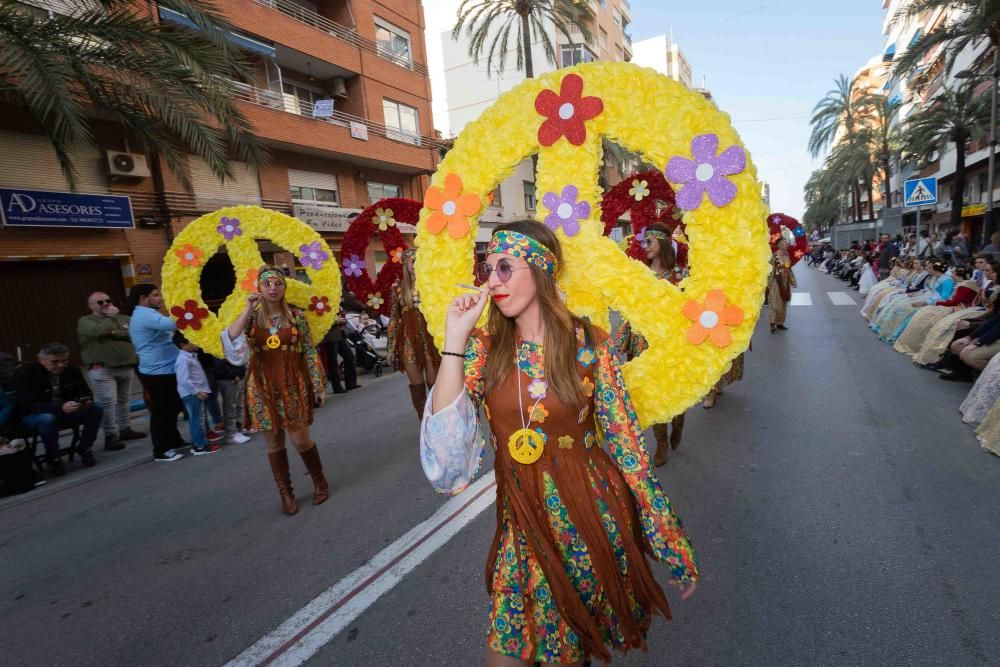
(53, 395)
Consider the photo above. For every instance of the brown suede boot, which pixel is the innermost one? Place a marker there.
(676, 431)
(279, 466)
(418, 394)
(662, 435)
(315, 467)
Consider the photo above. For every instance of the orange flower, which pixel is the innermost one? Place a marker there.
(189, 256)
(397, 255)
(588, 387)
(249, 282)
(711, 319)
(451, 207)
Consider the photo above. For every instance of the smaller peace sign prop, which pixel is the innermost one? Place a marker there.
(237, 228)
(381, 217)
(648, 198)
(798, 249)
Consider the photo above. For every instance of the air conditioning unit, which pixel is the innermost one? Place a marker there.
(129, 165)
(338, 87)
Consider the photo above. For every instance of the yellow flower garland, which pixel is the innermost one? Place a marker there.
(203, 237)
(658, 117)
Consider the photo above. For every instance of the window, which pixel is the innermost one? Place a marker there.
(616, 17)
(574, 54)
(378, 191)
(305, 193)
(529, 196)
(298, 99)
(603, 3)
(603, 39)
(393, 43)
(401, 122)
(497, 199)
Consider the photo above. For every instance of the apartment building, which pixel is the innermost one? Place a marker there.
(339, 94)
(667, 58)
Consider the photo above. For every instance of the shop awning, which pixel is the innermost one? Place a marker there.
(242, 41)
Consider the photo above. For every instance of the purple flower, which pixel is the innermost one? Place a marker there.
(566, 210)
(706, 173)
(229, 227)
(313, 255)
(353, 266)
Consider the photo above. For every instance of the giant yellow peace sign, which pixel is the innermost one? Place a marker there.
(695, 332)
(237, 228)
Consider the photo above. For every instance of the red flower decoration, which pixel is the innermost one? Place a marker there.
(359, 236)
(190, 315)
(320, 305)
(658, 206)
(566, 113)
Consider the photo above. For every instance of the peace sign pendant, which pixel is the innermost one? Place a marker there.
(273, 342)
(526, 446)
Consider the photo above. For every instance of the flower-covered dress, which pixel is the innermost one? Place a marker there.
(567, 574)
(408, 337)
(281, 383)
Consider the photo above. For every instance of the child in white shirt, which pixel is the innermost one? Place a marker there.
(193, 387)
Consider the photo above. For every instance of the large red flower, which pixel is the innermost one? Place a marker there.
(190, 315)
(566, 113)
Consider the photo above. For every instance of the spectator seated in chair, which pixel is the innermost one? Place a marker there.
(53, 395)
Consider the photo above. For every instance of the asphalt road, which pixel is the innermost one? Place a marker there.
(841, 511)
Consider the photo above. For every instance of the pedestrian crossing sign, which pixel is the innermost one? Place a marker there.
(920, 191)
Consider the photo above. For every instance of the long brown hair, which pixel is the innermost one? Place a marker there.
(668, 260)
(561, 374)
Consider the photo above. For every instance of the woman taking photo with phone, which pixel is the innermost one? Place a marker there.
(284, 380)
(578, 505)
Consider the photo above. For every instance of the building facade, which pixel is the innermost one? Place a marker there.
(339, 95)
(660, 54)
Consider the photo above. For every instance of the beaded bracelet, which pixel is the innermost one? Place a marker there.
(453, 354)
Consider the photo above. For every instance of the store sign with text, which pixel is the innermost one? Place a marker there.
(38, 208)
(325, 218)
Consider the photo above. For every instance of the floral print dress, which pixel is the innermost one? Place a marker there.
(568, 574)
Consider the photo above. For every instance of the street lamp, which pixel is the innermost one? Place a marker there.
(988, 213)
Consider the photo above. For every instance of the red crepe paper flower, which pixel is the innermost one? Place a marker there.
(567, 112)
(189, 255)
(190, 315)
(451, 207)
(249, 282)
(359, 236)
(320, 305)
(777, 223)
(658, 204)
(711, 319)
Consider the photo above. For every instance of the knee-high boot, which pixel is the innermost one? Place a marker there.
(418, 394)
(661, 433)
(315, 467)
(677, 431)
(279, 466)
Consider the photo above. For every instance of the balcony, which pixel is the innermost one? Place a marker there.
(319, 22)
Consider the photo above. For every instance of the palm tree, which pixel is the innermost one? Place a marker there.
(822, 201)
(955, 117)
(838, 117)
(495, 21)
(168, 88)
(968, 22)
(883, 137)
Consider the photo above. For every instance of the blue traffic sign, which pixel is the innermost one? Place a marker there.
(920, 191)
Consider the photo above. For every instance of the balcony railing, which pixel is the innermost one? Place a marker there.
(349, 35)
(291, 104)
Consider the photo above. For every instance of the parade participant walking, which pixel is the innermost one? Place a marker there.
(194, 389)
(779, 286)
(411, 348)
(578, 504)
(284, 380)
(152, 335)
(657, 244)
(110, 358)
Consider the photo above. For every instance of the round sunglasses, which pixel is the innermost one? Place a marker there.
(503, 270)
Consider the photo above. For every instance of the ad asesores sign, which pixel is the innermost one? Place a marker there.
(38, 208)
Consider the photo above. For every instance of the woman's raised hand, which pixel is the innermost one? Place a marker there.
(463, 313)
(253, 298)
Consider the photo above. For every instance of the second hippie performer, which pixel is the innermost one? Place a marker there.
(284, 380)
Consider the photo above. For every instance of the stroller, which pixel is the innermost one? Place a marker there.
(369, 342)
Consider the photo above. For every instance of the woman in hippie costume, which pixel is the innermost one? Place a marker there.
(658, 245)
(411, 348)
(779, 286)
(284, 380)
(578, 505)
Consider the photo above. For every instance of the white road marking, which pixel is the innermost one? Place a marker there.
(309, 629)
(841, 299)
(801, 299)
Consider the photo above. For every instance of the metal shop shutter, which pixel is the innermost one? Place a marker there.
(211, 193)
(30, 162)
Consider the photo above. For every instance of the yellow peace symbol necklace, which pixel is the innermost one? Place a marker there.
(525, 445)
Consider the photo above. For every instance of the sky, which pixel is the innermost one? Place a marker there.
(767, 64)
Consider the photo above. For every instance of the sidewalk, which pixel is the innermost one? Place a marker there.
(136, 452)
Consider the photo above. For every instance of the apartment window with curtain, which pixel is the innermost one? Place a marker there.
(378, 191)
(497, 199)
(393, 42)
(574, 54)
(529, 195)
(401, 121)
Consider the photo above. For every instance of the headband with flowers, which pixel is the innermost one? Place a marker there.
(521, 245)
(270, 272)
